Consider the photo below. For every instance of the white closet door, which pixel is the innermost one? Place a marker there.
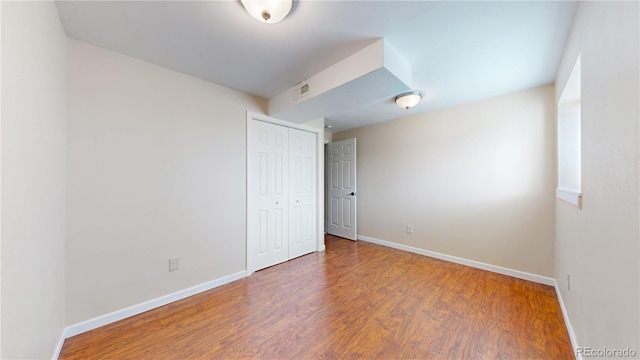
(302, 192)
(268, 194)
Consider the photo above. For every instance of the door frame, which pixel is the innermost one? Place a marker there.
(251, 116)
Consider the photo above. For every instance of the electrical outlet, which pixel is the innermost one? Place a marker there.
(568, 281)
(409, 229)
(174, 264)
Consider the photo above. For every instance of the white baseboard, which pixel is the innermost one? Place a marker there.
(88, 325)
(458, 260)
(56, 352)
(567, 322)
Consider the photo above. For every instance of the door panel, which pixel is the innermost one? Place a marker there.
(302, 193)
(346, 175)
(262, 233)
(341, 191)
(334, 213)
(268, 183)
(346, 212)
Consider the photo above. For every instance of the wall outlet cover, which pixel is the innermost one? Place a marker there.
(174, 264)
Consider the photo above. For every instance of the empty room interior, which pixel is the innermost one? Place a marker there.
(319, 179)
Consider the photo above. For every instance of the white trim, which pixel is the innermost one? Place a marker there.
(118, 315)
(320, 189)
(56, 352)
(265, 118)
(573, 197)
(567, 323)
(458, 260)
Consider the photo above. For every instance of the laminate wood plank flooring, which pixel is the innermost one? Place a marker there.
(356, 300)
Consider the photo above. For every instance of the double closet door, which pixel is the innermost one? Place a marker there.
(281, 194)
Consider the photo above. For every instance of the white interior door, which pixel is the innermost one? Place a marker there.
(341, 189)
(268, 194)
(302, 192)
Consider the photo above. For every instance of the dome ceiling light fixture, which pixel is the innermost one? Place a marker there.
(268, 11)
(409, 99)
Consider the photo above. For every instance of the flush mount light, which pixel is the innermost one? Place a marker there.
(409, 99)
(268, 11)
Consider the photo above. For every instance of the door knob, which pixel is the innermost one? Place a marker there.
(352, 193)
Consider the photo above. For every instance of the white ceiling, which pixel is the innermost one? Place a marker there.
(460, 51)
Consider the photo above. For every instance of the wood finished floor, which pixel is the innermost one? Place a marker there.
(355, 301)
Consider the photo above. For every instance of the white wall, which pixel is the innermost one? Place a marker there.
(599, 245)
(156, 169)
(476, 180)
(33, 179)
